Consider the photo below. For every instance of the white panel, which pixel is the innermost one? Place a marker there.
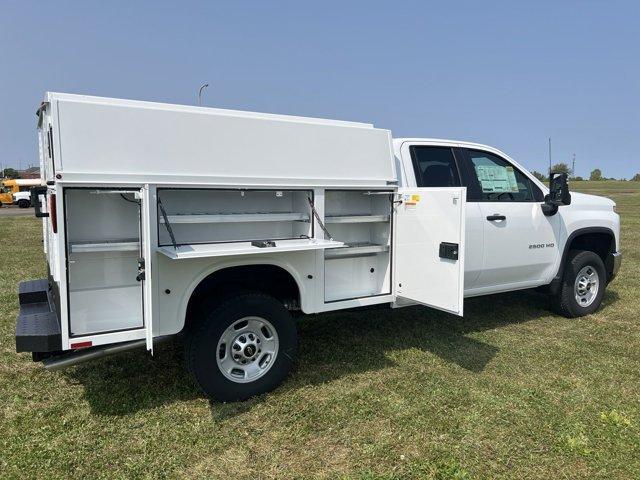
(105, 309)
(116, 138)
(356, 277)
(425, 218)
(243, 248)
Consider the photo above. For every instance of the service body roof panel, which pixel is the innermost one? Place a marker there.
(112, 140)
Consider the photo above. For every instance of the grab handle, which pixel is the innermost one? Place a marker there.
(35, 199)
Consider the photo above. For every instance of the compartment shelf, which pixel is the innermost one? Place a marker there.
(236, 217)
(242, 248)
(356, 250)
(129, 245)
(356, 218)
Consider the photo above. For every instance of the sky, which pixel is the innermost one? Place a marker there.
(508, 74)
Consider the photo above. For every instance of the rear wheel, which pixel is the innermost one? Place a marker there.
(244, 346)
(24, 203)
(583, 284)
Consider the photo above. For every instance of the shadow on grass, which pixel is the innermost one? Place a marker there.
(331, 346)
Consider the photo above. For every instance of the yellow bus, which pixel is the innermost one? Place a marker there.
(10, 186)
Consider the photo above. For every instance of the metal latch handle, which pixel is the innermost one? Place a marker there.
(141, 272)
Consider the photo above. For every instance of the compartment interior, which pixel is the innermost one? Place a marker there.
(198, 216)
(362, 220)
(103, 244)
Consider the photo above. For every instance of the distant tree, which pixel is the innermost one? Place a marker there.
(10, 173)
(636, 178)
(596, 175)
(577, 179)
(561, 168)
(539, 176)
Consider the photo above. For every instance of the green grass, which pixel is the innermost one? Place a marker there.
(509, 391)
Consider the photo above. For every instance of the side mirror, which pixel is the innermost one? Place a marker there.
(558, 194)
(559, 189)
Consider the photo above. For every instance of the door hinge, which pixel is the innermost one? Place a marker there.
(141, 272)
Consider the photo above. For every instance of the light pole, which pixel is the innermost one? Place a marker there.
(200, 93)
(549, 157)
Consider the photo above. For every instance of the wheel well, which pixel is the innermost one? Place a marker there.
(269, 279)
(601, 243)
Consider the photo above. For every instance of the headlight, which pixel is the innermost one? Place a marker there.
(615, 208)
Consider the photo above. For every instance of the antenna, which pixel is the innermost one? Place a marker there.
(573, 166)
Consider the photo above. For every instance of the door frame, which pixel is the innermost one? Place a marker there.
(70, 341)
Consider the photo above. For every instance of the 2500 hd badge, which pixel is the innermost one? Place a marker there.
(542, 245)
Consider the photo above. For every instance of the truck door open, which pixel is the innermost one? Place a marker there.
(429, 250)
(107, 291)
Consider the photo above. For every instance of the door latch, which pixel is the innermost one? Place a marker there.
(141, 272)
(449, 250)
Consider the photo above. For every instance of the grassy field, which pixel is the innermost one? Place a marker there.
(509, 391)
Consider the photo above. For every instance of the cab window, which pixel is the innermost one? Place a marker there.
(496, 180)
(434, 166)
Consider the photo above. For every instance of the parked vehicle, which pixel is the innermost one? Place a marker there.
(22, 199)
(17, 191)
(217, 224)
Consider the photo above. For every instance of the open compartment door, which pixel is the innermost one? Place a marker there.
(429, 247)
(144, 264)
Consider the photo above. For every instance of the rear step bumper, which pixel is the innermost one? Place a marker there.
(37, 325)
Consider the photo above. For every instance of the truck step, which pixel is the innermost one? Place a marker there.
(37, 328)
(33, 291)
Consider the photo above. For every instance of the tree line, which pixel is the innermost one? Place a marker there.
(595, 175)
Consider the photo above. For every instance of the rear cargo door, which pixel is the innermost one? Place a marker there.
(428, 247)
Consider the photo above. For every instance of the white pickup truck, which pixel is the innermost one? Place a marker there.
(214, 225)
(514, 240)
(22, 199)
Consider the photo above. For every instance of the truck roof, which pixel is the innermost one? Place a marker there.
(445, 142)
(397, 145)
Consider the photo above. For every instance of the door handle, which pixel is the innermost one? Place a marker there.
(496, 216)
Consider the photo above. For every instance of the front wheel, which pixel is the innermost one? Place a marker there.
(24, 203)
(583, 284)
(243, 347)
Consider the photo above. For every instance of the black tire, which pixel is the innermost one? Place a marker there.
(202, 339)
(24, 203)
(565, 300)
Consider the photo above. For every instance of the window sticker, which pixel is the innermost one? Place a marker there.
(494, 178)
(511, 176)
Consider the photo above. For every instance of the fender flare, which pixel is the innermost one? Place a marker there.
(554, 286)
